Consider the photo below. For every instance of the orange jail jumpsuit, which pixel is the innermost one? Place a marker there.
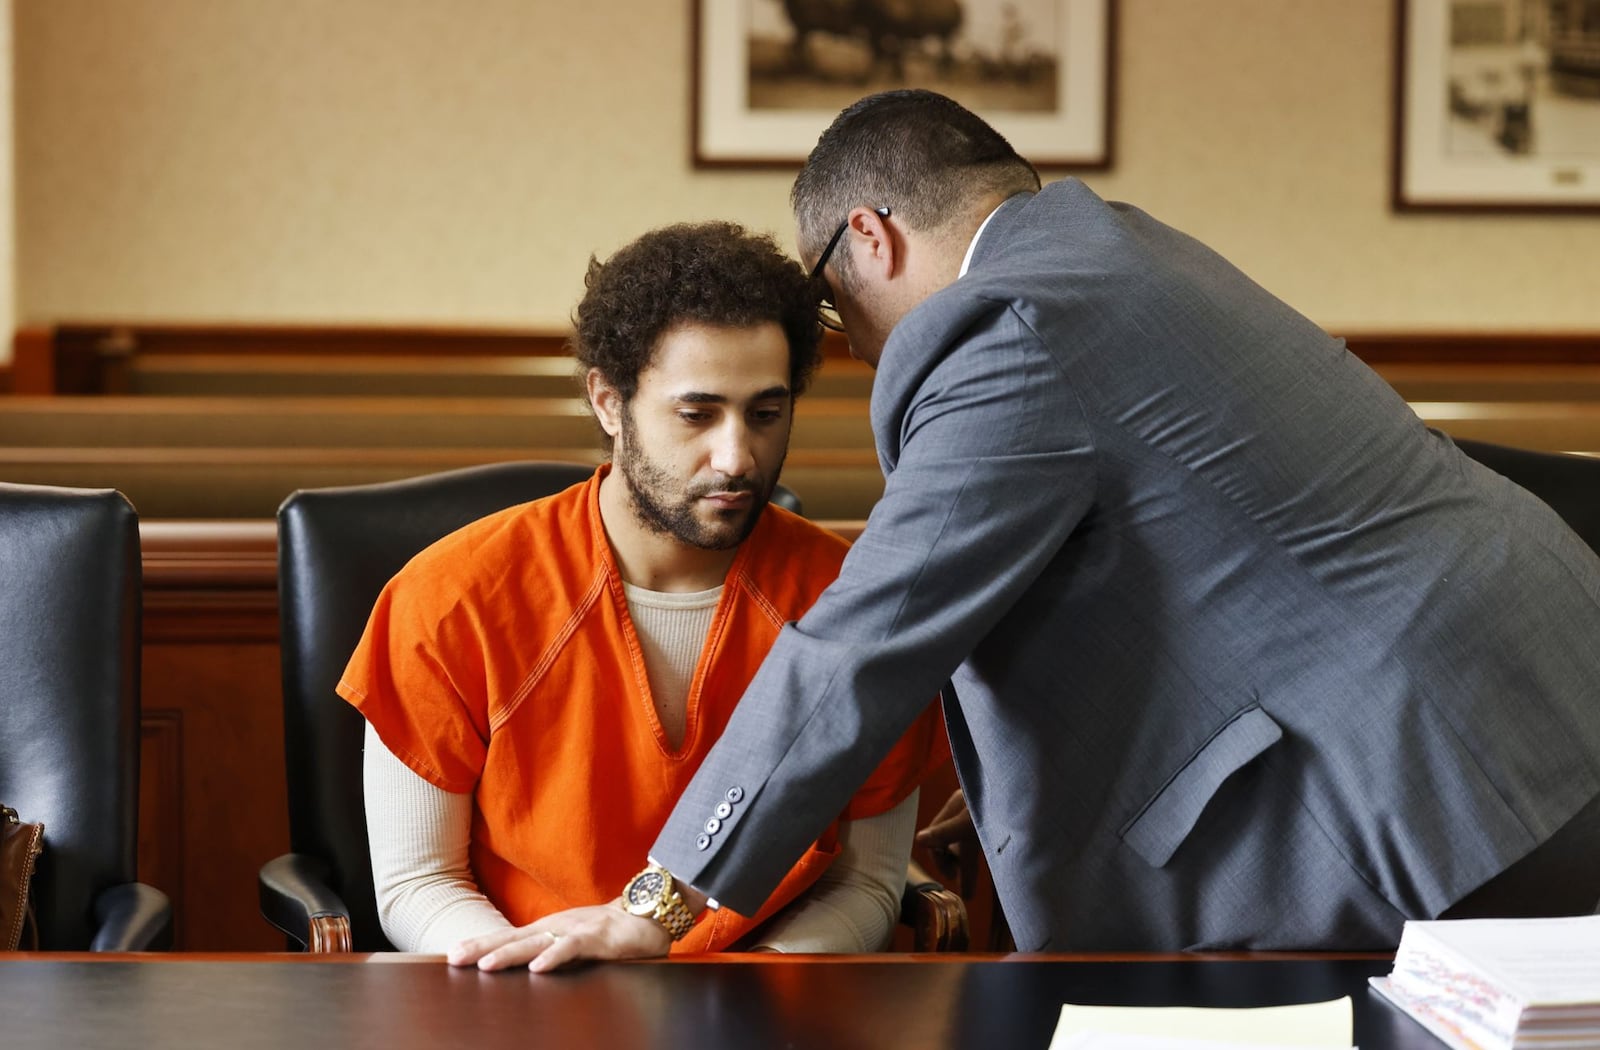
(502, 661)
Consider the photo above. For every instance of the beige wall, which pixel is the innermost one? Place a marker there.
(438, 162)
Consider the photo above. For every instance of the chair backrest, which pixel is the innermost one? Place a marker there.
(1569, 484)
(69, 694)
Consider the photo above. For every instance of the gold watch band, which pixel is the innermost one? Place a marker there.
(674, 915)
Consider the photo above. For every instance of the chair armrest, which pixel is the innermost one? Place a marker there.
(937, 916)
(296, 898)
(132, 917)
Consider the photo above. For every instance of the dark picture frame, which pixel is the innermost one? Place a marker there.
(1497, 106)
(1041, 71)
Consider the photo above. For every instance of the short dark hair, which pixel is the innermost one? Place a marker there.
(715, 273)
(915, 151)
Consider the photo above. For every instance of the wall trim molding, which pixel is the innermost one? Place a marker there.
(210, 580)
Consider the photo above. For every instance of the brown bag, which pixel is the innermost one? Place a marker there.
(20, 846)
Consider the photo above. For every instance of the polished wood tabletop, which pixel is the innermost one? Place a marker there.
(395, 1002)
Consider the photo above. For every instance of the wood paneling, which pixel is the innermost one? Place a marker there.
(33, 362)
(207, 582)
(234, 813)
(161, 860)
(213, 803)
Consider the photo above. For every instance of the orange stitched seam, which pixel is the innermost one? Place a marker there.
(761, 599)
(499, 718)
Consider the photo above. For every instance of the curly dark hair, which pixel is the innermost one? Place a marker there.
(715, 273)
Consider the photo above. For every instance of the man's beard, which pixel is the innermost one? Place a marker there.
(660, 509)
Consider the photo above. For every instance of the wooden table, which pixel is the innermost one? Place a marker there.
(395, 1002)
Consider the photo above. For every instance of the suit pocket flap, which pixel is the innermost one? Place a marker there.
(1166, 820)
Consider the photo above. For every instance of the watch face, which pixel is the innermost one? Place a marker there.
(645, 890)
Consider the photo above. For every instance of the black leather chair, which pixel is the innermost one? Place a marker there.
(69, 724)
(337, 547)
(1569, 484)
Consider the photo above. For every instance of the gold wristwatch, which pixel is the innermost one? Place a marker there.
(652, 895)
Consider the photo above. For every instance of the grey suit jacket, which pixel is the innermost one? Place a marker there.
(1242, 653)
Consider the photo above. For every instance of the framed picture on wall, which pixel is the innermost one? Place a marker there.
(1497, 105)
(770, 75)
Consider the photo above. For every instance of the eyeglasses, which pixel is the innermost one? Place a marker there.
(827, 313)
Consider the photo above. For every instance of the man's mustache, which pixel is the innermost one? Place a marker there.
(727, 485)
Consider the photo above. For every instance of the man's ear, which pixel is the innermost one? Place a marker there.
(605, 400)
(876, 245)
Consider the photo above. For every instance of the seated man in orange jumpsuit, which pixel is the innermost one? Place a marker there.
(540, 685)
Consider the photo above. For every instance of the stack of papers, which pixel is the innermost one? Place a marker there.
(1501, 984)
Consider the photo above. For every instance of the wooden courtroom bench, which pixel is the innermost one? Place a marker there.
(286, 422)
(239, 457)
(368, 375)
(371, 375)
(1553, 426)
(267, 360)
(234, 483)
(1473, 381)
(225, 359)
(564, 423)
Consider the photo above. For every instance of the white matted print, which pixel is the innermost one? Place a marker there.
(770, 75)
(1498, 105)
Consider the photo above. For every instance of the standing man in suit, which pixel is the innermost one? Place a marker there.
(1242, 654)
